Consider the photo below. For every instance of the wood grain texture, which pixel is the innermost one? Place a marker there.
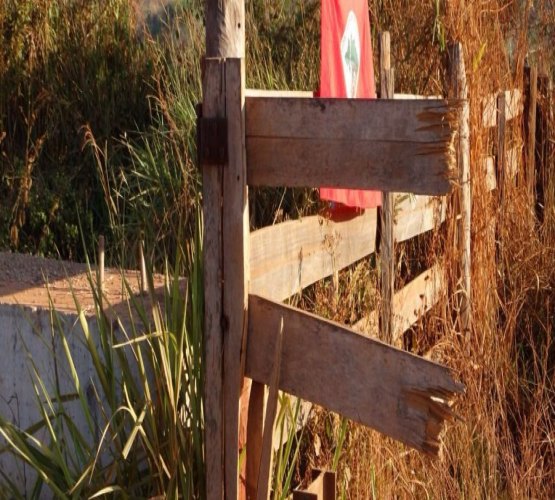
(409, 304)
(489, 169)
(459, 90)
(278, 93)
(398, 394)
(414, 215)
(388, 166)
(355, 143)
(212, 185)
(387, 237)
(225, 28)
(512, 108)
(289, 256)
(373, 120)
(235, 227)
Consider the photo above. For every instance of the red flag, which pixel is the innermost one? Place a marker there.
(347, 70)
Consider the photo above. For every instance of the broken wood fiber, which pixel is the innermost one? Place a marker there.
(399, 394)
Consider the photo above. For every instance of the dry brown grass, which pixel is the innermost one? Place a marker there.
(505, 445)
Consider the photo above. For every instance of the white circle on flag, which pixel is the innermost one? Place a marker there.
(350, 54)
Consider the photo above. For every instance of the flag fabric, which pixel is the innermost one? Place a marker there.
(347, 70)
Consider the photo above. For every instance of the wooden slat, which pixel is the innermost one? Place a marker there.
(512, 160)
(213, 106)
(513, 107)
(292, 255)
(416, 96)
(489, 168)
(386, 166)
(459, 90)
(278, 93)
(416, 214)
(410, 303)
(362, 143)
(396, 393)
(373, 120)
(417, 298)
(514, 103)
(235, 229)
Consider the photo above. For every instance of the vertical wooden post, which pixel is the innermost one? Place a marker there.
(213, 106)
(501, 146)
(225, 209)
(387, 245)
(530, 174)
(459, 90)
(236, 269)
(101, 256)
(542, 144)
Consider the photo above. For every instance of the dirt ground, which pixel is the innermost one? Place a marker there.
(37, 282)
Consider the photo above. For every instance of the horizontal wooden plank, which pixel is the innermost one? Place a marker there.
(514, 104)
(397, 393)
(278, 93)
(417, 214)
(409, 304)
(416, 96)
(388, 145)
(289, 256)
(386, 166)
(368, 120)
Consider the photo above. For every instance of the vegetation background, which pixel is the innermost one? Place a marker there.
(97, 136)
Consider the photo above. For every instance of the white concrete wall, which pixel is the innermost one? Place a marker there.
(28, 335)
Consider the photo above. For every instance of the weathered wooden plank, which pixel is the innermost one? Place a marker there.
(387, 238)
(459, 90)
(409, 304)
(396, 393)
(322, 487)
(421, 168)
(416, 215)
(373, 120)
(278, 93)
(489, 168)
(417, 297)
(225, 28)
(398, 95)
(513, 107)
(213, 106)
(235, 229)
(289, 256)
(512, 160)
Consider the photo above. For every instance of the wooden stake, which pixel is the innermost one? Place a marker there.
(101, 252)
(265, 473)
(459, 90)
(530, 174)
(387, 243)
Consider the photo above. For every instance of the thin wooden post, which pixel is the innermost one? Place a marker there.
(225, 209)
(459, 90)
(387, 244)
(501, 146)
(236, 269)
(213, 106)
(530, 174)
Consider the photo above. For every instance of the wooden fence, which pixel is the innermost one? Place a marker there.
(259, 138)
